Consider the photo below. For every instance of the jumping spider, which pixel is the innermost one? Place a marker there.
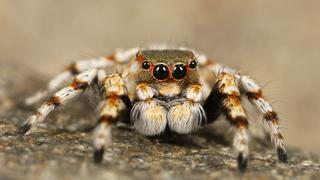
(174, 89)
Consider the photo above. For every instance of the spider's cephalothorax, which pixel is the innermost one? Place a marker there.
(168, 91)
(174, 89)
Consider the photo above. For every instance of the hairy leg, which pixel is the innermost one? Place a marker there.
(228, 89)
(80, 66)
(213, 105)
(78, 85)
(254, 94)
(116, 103)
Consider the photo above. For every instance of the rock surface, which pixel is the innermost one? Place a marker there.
(61, 147)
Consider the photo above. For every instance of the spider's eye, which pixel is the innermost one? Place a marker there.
(145, 65)
(193, 64)
(161, 72)
(179, 71)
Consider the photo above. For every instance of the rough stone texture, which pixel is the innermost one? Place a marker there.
(61, 149)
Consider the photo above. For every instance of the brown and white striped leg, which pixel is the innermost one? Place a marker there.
(79, 84)
(231, 103)
(254, 94)
(116, 102)
(78, 67)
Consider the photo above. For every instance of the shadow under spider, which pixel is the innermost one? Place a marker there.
(198, 140)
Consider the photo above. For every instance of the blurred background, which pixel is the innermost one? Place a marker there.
(276, 42)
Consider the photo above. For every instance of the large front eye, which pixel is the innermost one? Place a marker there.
(179, 71)
(161, 72)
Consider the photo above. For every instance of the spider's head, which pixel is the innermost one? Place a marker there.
(166, 66)
(169, 71)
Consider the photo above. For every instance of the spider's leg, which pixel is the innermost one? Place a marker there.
(254, 94)
(213, 105)
(65, 76)
(116, 102)
(78, 85)
(231, 104)
(75, 68)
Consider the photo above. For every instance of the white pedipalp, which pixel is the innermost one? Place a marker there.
(145, 91)
(185, 117)
(195, 93)
(149, 117)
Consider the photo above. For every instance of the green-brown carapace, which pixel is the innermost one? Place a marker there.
(169, 71)
(161, 89)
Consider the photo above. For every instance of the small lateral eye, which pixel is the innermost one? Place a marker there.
(145, 65)
(193, 64)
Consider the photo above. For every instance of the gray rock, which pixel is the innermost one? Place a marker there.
(61, 147)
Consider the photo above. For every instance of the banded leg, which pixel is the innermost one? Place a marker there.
(213, 105)
(79, 84)
(231, 103)
(254, 94)
(78, 67)
(116, 102)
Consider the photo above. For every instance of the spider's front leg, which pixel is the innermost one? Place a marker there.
(78, 67)
(115, 104)
(229, 91)
(78, 85)
(186, 115)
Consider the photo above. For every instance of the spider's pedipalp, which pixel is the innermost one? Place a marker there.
(254, 94)
(186, 115)
(116, 103)
(79, 84)
(149, 115)
(228, 87)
